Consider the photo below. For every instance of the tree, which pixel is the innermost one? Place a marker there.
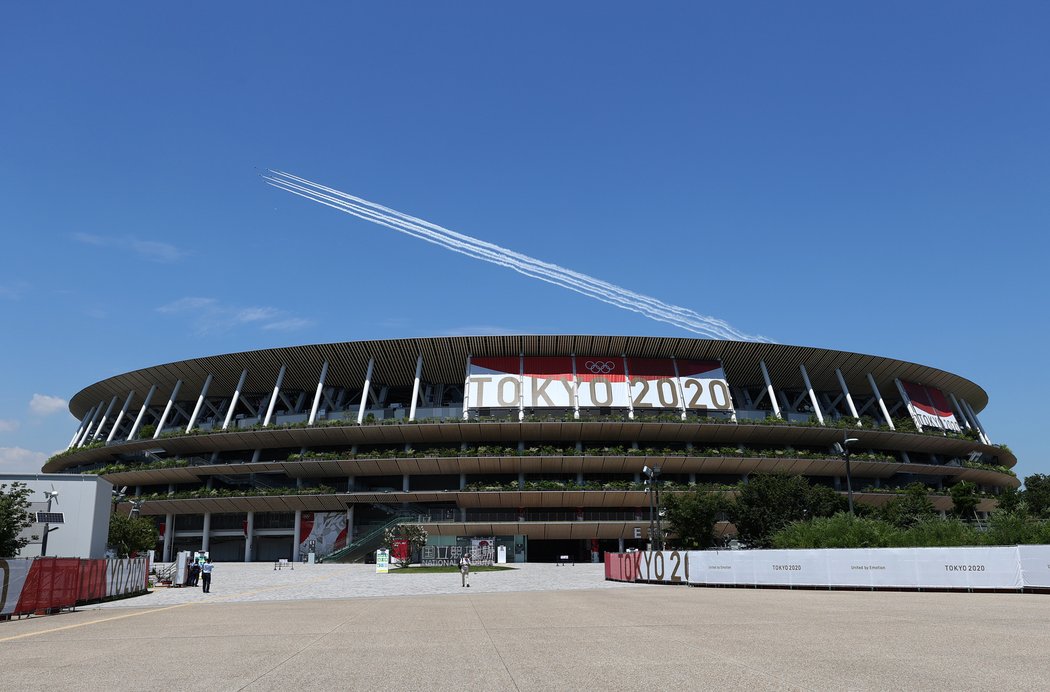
(768, 503)
(413, 534)
(14, 518)
(692, 517)
(964, 499)
(1037, 495)
(131, 535)
(1011, 501)
(910, 507)
(839, 531)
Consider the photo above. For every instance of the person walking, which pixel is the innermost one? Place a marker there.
(195, 573)
(206, 569)
(464, 570)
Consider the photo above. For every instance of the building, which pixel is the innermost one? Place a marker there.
(536, 441)
(76, 519)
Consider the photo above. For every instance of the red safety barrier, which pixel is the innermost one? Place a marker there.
(92, 580)
(622, 566)
(51, 584)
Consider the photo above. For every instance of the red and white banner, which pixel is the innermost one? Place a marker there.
(322, 532)
(597, 382)
(929, 407)
(49, 583)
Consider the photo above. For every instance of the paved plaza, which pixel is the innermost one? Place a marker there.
(336, 627)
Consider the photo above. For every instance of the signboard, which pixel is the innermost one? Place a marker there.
(481, 552)
(596, 382)
(321, 532)
(929, 407)
(382, 561)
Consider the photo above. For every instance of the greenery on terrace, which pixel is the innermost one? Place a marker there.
(845, 423)
(557, 451)
(204, 493)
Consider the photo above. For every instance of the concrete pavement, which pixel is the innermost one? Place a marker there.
(494, 638)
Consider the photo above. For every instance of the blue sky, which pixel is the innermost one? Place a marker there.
(863, 178)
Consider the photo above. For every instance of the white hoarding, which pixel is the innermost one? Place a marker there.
(596, 382)
(1035, 565)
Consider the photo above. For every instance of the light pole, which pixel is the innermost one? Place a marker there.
(656, 541)
(50, 495)
(842, 449)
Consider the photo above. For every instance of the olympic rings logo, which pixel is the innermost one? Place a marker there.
(600, 367)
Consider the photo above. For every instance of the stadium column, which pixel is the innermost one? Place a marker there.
(349, 524)
(276, 395)
(404, 483)
(297, 534)
(366, 390)
(91, 426)
(120, 416)
(92, 417)
(317, 403)
(977, 421)
(415, 387)
(845, 393)
(882, 403)
(206, 533)
(236, 397)
(769, 389)
(167, 409)
(200, 404)
(80, 430)
(169, 530)
(142, 412)
(957, 409)
(681, 390)
(466, 391)
(249, 535)
(630, 394)
(575, 391)
(812, 394)
(907, 404)
(105, 417)
(521, 387)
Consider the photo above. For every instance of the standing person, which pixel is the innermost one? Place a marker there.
(195, 572)
(206, 569)
(464, 570)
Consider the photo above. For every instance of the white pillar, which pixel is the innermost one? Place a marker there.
(249, 534)
(812, 394)
(206, 533)
(404, 483)
(845, 392)
(96, 421)
(882, 404)
(466, 389)
(313, 412)
(769, 389)
(681, 390)
(980, 426)
(235, 399)
(365, 392)
(297, 531)
(200, 404)
(349, 524)
(415, 387)
(907, 404)
(630, 393)
(575, 390)
(142, 412)
(521, 386)
(167, 409)
(957, 409)
(169, 531)
(120, 416)
(91, 418)
(80, 430)
(105, 417)
(275, 395)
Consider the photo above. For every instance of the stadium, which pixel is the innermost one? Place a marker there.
(533, 444)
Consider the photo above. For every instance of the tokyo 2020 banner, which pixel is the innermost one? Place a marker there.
(597, 382)
(322, 532)
(929, 407)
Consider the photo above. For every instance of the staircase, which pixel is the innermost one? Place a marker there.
(366, 543)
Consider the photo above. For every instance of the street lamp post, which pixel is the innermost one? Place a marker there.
(656, 536)
(843, 450)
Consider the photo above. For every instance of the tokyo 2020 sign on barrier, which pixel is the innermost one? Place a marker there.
(1011, 568)
(48, 584)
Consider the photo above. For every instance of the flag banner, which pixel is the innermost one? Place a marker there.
(930, 407)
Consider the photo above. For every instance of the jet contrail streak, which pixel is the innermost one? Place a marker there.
(523, 264)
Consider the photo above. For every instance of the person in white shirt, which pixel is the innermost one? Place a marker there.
(464, 570)
(206, 569)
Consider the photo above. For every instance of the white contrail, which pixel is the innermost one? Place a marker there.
(529, 266)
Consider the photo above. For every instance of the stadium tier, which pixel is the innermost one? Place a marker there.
(532, 444)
